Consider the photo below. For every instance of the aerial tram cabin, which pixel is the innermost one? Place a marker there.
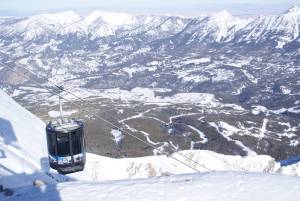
(66, 144)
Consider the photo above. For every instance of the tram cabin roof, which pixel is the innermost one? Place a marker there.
(64, 126)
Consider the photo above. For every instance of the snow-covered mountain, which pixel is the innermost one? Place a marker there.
(38, 26)
(218, 82)
(219, 27)
(282, 29)
(171, 73)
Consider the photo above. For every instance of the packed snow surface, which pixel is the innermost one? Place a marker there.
(217, 186)
(18, 130)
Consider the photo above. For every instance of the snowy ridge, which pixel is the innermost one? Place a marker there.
(102, 23)
(223, 25)
(114, 19)
(218, 27)
(42, 25)
(293, 9)
(102, 168)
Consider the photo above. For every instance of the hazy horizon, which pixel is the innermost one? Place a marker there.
(180, 7)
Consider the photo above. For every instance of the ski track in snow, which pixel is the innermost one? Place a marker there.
(201, 134)
(263, 128)
(249, 151)
(182, 115)
(147, 135)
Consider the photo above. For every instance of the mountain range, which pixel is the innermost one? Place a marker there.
(180, 71)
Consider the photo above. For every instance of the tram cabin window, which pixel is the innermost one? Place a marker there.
(51, 143)
(76, 142)
(63, 145)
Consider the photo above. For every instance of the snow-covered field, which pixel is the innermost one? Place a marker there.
(146, 95)
(24, 159)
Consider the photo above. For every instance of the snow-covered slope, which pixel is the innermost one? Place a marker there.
(283, 28)
(21, 134)
(217, 186)
(23, 149)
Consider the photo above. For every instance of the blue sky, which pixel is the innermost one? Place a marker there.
(185, 7)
